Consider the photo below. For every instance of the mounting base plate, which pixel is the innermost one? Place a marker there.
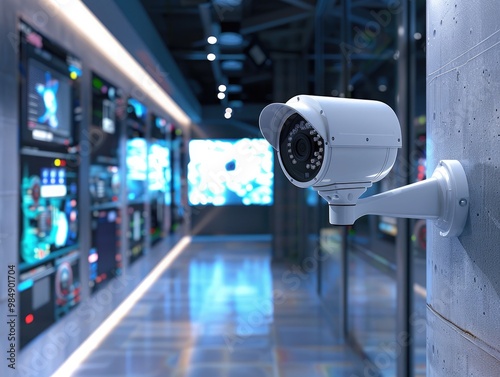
(455, 200)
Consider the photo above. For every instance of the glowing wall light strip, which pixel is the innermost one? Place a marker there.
(94, 340)
(91, 28)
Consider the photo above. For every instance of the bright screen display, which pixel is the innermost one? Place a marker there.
(104, 184)
(49, 211)
(160, 172)
(137, 153)
(49, 104)
(230, 172)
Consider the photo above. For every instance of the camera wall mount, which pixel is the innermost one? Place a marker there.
(443, 198)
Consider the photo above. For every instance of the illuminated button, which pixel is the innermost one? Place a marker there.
(29, 319)
(57, 162)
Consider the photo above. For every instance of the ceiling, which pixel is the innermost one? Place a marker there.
(261, 42)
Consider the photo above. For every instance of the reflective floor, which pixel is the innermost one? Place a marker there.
(223, 309)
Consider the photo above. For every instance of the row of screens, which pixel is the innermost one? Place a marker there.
(50, 94)
(220, 172)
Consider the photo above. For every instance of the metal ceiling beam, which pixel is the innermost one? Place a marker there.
(273, 19)
(303, 4)
(252, 79)
(367, 56)
(354, 18)
(374, 4)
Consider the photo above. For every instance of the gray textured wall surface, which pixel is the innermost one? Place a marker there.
(463, 112)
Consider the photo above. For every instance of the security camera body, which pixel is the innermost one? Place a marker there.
(338, 146)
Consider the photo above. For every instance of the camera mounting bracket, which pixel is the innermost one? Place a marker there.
(443, 198)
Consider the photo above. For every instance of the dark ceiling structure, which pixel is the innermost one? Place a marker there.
(271, 50)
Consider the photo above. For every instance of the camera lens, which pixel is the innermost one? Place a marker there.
(301, 149)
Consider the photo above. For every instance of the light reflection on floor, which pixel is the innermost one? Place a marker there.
(223, 309)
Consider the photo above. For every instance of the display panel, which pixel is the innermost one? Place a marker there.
(177, 208)
(136, 231)
(49, 208)
(108, 109)
(160, 172)
(104, 184)
(67, 283)
(159, 179)
(136, 115)
(37, 303)
(137, 168)
(105, 260)
(230, 172)
(136, 151)
(47, 293)
(50, 105)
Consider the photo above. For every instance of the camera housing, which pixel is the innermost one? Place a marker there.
(340, 147)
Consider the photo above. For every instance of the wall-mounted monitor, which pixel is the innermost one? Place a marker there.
(108, 110)
(137, 168)
(136, 231)
(67, 283)
(49, 209)
(230, 172)
(178, 176)
(160, 172)
(137, 115)
(50, 98)
(104, 184)
(105, 260)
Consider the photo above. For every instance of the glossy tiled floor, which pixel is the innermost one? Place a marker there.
(223, 309)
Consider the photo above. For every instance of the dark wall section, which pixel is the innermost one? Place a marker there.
(230, 220)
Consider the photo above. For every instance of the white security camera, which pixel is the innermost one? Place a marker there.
(341, 147)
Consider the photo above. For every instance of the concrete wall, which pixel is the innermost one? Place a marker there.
(463, 112)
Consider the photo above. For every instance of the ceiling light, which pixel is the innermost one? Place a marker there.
(382, 84)
(222, 88)
(211, 57)
(227, 115)
(221, 95)
(212, 40)
(229, 110)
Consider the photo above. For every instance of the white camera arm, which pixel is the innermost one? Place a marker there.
(443, 198)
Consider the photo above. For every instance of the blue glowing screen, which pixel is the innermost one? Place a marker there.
(230, 172)
(137, 154)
